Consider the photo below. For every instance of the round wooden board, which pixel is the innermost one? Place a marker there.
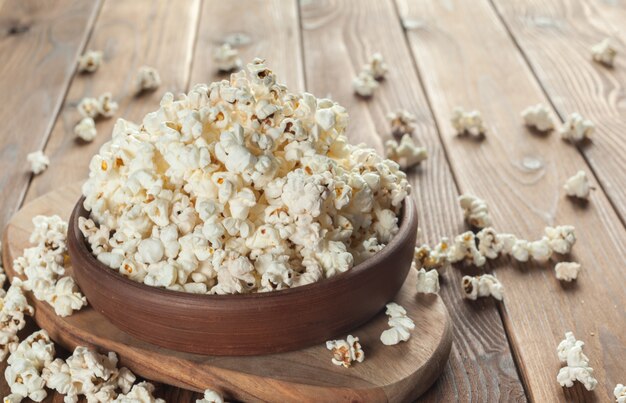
(389, 373)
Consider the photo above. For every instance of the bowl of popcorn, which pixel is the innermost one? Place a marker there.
(237, 220)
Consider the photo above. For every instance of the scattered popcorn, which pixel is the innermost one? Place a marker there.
(468, 122)
(475, 210)
(400, 325)
(90, 61)
(65, 297)
(346, 351)
(376, 67)
(567, 271)
(226, 58)
(402, 122)
(23, 373)
(86, 129)
(482, 286)
(89, 107)
(620, 393)
(561, 239)
(538, 116)
(578, 186)
(570, 351)
(576, 128)
(427, 281)
(603, 52)
(38, 162)
(436, 258)
(211, 396)
(406, 153)
(464, 249)
(14, 307)
(490, 244)
(364, 84)
(106, 106)
(239, 186)
(540, 250)
(147, 79)
(140, 393)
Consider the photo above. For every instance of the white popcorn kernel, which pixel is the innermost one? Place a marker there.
(468, 122)
(406, 153)
(106, 106)
(540, 250)
(226, 58)
(538, 116)
(211, 396)
(578, 186)
(88, 107)
(576, 128)
(475, 210)
(140, 393)
(376, 67)
(150, 250)
(38, 162)
(436, 258)
(567, 271)
(427, 281)
(490, 244)
(521, 250)
(345, 352)
(86, 129)
(364, 84)
(603, 52)
(147, 79)
(464, 249)
(402, 122)
(577, 369)
(13, 398)
(561, 238)
(65, 298)
(90, 61)
(620, 393)
(482, 286)
(400, 325)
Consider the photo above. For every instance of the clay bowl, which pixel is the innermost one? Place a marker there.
(249, 324)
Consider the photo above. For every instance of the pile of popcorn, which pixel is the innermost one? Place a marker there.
(239, 186)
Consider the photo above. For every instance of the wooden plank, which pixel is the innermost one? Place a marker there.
(338, 37)
(267, 29)
(612, 12)
(556, 37)
(39, 43)
(521, 176)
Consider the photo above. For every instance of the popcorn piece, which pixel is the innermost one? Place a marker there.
(140, 393)
(482, 286)
(576, 128)
(400, 325)
(540, 250)
(561, 238)
(567, 271)
(106, 106)
(86, 129)
(475, 210)
(427, 281)
(620, 393)
(436, 258)
(346, 351)
(147, 79)
(538, 116)
(66, 298)
(38, 162)
(489, 243)
(603, 52)
(468, 122)
(406, 153)
(211, 396)
(578, 186)
(376, 67)
(23, 374)
(364, 84)
(464, 249)
(226, 58)
(89, 107)
(90, 61)
(402, 122)
(577, 369)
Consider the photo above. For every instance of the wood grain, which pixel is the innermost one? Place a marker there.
(556, 36)
(612, 12)
(338, 37)
(39, 43)
(397, 373)
(521, 174)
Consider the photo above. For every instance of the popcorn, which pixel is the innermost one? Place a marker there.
(576, 128)
(400, 325)
(106, 106)
(345, 352)
(603, 52)
(577, 369)
(90, 61)
(376, 67)
(239, 186)
(436, 258)
(402, 122)
(38, 162)
(140, 393)
(482, 286)
(65, 297)
(560, 239)
(13, 307)
(89, 107)
(147, 79)
(226, 58)
(620, 393)
(406, 153)
(364, 84)
(475, 210)
(567, 271)
(540, 250)
(578, 186)
(23, 373)
(427, 281)
(468, 122)
(490, 244)
(211, 396)
(464, 249)
(86, 129)
(538, 116)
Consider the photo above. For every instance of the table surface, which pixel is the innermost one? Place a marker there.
(496, 56)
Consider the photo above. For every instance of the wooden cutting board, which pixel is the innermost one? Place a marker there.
(389, 373)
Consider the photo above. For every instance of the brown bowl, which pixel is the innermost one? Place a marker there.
(248, 324)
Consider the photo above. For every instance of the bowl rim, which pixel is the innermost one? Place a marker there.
(407, 216)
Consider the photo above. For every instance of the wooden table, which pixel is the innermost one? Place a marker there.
(497, 56)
